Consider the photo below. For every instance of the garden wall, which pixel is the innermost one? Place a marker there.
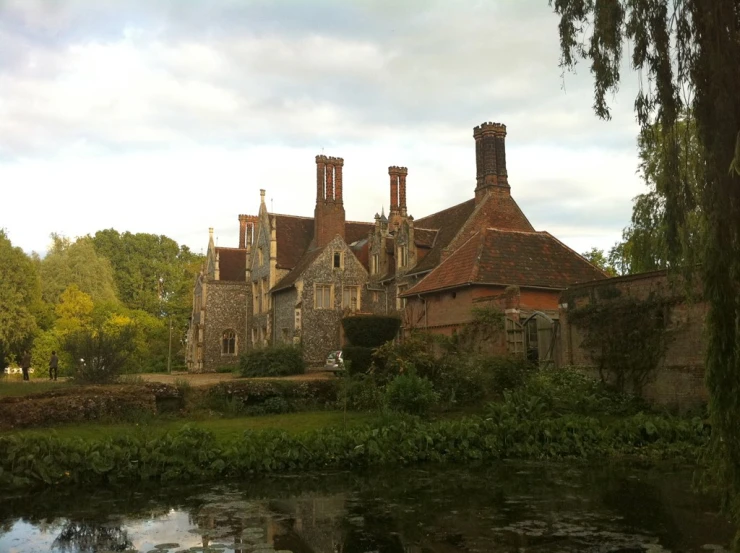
(678, 379)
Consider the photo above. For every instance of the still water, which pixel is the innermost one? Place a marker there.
(509, 507)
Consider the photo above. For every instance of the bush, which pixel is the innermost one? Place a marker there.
(357, 358)
(370, 331)
(100, 353)
(463, 382)
(415, 354)
(306, 394)
(410, 393)
(361, 393)
(272, 361)
(507, 372)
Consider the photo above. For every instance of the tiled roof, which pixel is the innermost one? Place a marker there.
(507, 257)
(232, 264)
(448, 222)
(354, 231)
(290, 279)
(293, 235)
(424, 237)
(361, 250)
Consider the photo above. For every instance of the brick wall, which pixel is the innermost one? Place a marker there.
(678, 381)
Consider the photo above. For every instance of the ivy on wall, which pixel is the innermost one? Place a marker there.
(625, 337)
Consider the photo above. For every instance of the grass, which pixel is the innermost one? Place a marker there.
(223, 429)
(10, 386)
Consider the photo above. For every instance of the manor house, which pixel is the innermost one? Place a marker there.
(291, 279)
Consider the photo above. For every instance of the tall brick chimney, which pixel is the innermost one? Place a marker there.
(398, 195)
(329, 212)
(490, 159)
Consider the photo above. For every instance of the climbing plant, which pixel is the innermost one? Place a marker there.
(625, 337)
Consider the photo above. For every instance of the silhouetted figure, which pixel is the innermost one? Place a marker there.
(25, 364)
(53, 366)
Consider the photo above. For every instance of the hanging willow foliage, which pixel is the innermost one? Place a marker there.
(686, 53)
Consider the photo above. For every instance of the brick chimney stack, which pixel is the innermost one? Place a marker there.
(490, 159)
(398, 195)
(329, 212)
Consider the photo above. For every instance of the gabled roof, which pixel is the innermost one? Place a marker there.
(424, 237)
(293, 235)
(509, 257)
(447, 223)
(232, 264)
(290, 279)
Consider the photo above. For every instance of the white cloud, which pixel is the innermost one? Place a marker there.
(181, 112)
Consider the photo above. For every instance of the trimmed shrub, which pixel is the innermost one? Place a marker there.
(360, 358)
(272, 361)
(314, 393)
(85, 403)
(370, 331)
(409, 393)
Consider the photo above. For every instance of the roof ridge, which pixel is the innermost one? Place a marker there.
(234, 249)
(288, 215)
(499, 229)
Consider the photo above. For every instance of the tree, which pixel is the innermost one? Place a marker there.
(19, 292)
(76, 263)
(687, 52)
(597, 257)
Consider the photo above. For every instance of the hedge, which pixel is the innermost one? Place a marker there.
(360, 358)
(370, 331)
(272, 361)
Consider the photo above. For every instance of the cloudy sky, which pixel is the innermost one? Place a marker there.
(168, 116)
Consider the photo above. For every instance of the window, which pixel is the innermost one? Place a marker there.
(322, 297)
(265, 295)
(260, 256)
(264, 335)
(254, 336)
(400, 302)
(351, 298)
(375, 297)
(403, 256)
(297, 318)
(228, 343)
(285, 335)
(338, 260)
(255, 298)
(375, 265)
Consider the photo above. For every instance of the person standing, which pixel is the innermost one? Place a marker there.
(25, 364)
(53, 366)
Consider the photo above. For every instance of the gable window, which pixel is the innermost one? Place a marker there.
(338, 260)
(228, 343)
(375, 265)
(322, 296)
(351, 298)
(403, 256)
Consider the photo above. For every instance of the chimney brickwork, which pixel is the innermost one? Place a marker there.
(247, 226)
(398, 195)
(490, 159)
(329, 212)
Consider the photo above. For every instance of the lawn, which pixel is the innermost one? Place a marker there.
(14, 386)
(223, 428)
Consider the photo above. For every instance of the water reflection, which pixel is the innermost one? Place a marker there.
(510, 507)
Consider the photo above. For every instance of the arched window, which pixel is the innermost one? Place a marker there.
(228, 343)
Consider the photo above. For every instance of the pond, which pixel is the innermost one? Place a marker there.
(508, 507)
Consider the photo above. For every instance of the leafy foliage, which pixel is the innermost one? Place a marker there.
(19, 290)
(272, 361)
(370, 331)
(410, 393)
(100, 352)
(361, 393)
(687, 51)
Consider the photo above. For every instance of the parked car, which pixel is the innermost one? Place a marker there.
(334, 361)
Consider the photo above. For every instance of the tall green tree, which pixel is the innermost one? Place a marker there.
(76, 263)
(687, 52)
(19, 293)
(597, 257)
